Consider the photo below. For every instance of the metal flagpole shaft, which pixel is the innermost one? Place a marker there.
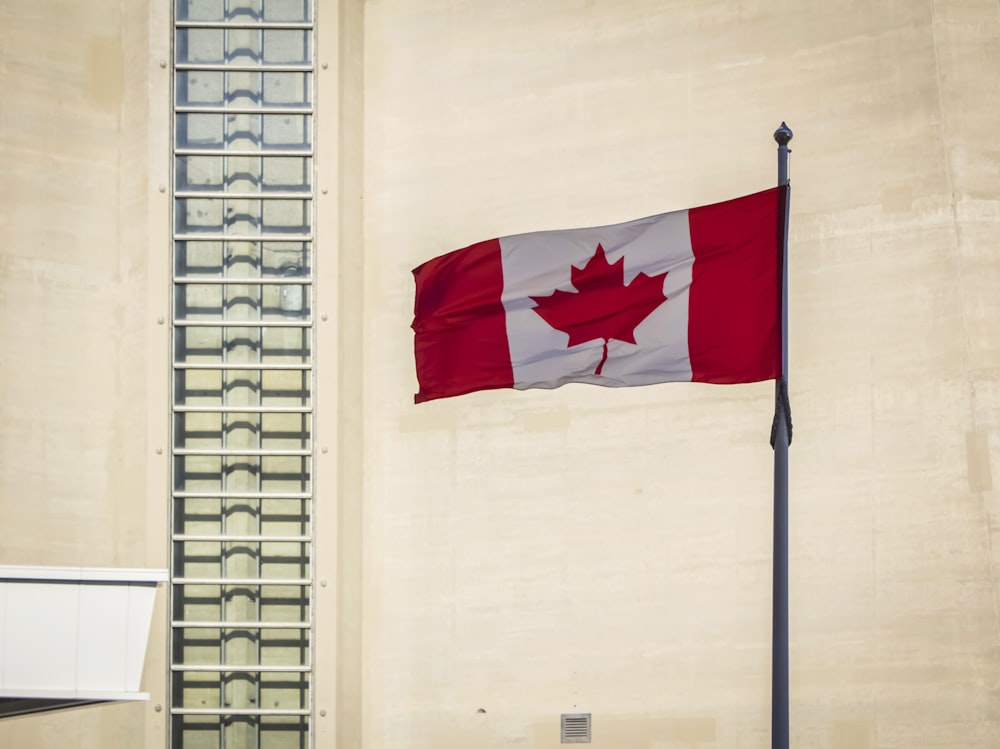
(780, 440)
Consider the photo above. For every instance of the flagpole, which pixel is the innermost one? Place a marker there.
(781, 437)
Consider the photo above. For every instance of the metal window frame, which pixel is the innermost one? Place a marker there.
(308, 199)
(193, 624)
(242, 25)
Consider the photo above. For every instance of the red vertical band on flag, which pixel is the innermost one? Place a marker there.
(460, 324)
(734, 328)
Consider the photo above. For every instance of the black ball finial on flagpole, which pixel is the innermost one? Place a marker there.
(783, 134)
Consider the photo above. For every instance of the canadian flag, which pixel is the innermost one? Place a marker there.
(691, 295)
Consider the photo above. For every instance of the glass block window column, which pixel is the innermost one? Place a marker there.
(241, 508)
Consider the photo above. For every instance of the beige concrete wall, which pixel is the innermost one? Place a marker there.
(74, 281)
(340, 378)
(597, 551)
(82, 355)
(528, 554)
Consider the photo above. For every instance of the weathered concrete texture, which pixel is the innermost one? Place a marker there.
(581, 550)
(74, 149)
(73, 285)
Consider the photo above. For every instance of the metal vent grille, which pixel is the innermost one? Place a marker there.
(574, 728)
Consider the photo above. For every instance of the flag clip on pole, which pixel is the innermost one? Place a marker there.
(781, 437)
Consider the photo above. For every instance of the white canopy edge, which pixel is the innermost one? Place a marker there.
(82, 574)
(73, 636)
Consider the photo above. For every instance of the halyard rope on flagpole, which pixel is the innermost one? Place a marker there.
(782, 408)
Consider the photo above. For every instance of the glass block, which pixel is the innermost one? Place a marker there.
(276, 516)
(200, 10)
(288, 11)
(287, 46)
(244, 173)
(243, 131)
(235, 345)
(267, 474)
(243, 258)
(243, 216)
(284, 690)
(197, 646)
(238, 302)
(205, 46)
(262, 732)
(241, 646)
(215, 431)
(217, 88)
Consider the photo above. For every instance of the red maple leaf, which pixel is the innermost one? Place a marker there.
(603, 306)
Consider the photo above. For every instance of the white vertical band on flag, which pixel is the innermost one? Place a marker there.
(537, 264)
